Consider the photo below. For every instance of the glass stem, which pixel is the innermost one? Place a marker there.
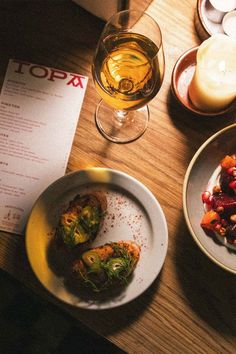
(120, 115)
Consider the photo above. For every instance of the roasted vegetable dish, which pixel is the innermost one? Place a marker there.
(220, 203)
(82, 220)
(108, 265)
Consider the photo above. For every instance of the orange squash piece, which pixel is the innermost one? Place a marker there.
(210, 220)
(228, 162)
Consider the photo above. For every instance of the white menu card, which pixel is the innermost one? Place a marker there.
(39, 111)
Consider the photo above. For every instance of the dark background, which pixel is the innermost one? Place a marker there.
(30, 325)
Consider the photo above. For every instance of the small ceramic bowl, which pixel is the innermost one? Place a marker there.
(204, 25)
(181, 77)
(201, 168)
(229, 24)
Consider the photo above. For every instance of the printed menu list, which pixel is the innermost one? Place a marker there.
(39, 111)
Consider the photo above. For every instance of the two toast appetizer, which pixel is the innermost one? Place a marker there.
(103, 267)
(97, 268)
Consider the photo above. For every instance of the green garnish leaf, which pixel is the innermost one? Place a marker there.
(115, 269)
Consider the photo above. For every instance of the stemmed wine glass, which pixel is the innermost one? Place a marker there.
(128, 70)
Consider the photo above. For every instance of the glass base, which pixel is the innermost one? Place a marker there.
(121, 126)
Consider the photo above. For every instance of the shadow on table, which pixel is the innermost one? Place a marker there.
(193, 126)
(210, 290)
(57, 34)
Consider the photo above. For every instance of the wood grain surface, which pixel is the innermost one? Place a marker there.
(191, 307)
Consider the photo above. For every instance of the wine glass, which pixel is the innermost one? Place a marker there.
(128, 70)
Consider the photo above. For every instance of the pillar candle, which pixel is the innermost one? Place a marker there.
(213, 86)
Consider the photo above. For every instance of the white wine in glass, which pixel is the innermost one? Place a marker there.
(128, 70)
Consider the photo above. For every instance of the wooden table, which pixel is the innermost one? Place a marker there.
(191, 307)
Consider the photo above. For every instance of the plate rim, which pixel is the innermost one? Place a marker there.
(123, 175)
(184, 198)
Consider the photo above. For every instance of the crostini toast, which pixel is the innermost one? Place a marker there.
(82, 220)
(106, 266)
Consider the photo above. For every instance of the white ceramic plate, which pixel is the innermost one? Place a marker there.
(133, 214)
(203, 168)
